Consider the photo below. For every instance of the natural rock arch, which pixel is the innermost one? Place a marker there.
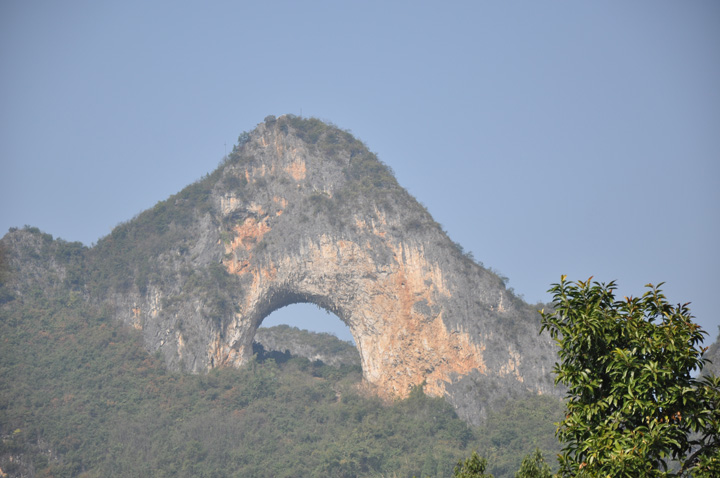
(303, 212)
(391, 310)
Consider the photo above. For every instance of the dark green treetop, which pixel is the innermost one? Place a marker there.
(634, 405)
(473, 467)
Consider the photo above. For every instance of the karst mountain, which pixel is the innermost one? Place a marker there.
(301, 211)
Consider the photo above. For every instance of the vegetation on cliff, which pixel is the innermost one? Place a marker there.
(79, 396)
(301, 211)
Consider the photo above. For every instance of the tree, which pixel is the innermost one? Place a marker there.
(633, 405)
(706, 459)
(534, 466)
(473, 467)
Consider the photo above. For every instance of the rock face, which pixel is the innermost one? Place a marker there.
(302, 212)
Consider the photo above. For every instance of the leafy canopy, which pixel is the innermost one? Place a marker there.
(633, 404)
(534, 466)
(473, 467)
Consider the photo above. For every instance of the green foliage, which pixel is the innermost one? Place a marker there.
(235, 183)
(4, 265)
(708, 466)
(633, 404)
(79, 396)
(473, 467)
(534, 466)
(72, 257)
(310, 130)
(321, 202)
(708, 452)
(243, 139)
(128, 255)
(270, 120)
(320, 343)
(367, 178)
(77, 383)
(369, 173)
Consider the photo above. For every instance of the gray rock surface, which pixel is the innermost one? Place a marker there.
(301, 211)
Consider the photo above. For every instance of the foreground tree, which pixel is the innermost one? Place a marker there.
(534, 466)
(633, 405)
(473, 467)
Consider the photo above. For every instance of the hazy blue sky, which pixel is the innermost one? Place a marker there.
(547, 137)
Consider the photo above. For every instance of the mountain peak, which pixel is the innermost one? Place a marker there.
(301, 211)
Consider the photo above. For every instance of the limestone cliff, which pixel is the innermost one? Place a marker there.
(301, 211)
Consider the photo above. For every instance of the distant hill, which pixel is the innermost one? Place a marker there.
(313, 346)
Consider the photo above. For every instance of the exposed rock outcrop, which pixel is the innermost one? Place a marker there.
(303, 212)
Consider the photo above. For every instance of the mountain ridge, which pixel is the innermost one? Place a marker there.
(301, 211)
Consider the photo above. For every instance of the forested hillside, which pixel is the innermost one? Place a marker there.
(142, 356)
(79, 396)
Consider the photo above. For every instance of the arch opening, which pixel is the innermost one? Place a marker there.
(305, 329)
(310, 317)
